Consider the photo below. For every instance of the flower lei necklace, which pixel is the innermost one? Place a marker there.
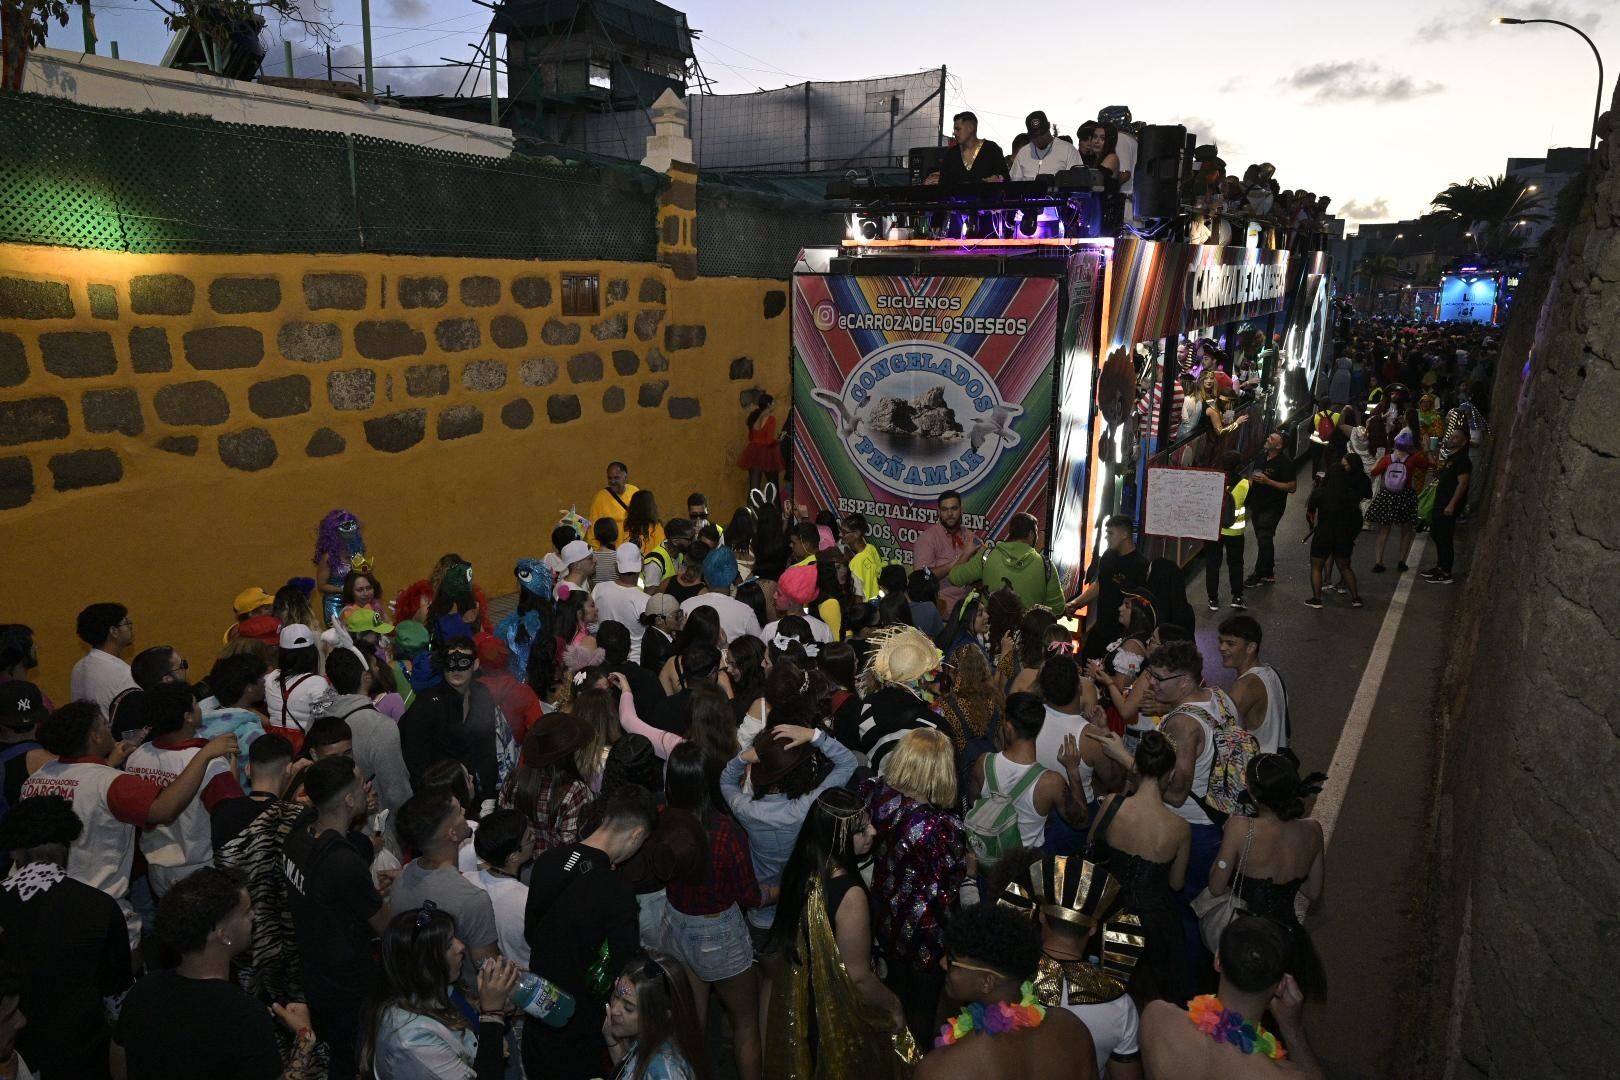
(1223, 1025)
(1003, 1016)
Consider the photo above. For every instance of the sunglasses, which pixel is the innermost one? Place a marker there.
(459, 661)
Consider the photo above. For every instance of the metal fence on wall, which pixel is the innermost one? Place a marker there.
(85, 177)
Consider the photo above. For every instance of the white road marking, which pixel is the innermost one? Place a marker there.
(1348, 750)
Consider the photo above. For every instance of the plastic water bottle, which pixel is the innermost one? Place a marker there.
(543, 1000)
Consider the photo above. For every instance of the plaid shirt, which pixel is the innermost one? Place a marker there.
(561, 829)
(730, 879)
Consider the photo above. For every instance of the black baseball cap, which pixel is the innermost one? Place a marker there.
(1036, 123)
(21, 705)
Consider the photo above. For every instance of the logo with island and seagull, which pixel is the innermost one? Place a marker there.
(920, 417)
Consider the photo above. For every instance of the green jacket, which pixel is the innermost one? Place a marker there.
(1010, 561)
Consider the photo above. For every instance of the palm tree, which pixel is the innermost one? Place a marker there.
(1491, 211)
(1374, 271)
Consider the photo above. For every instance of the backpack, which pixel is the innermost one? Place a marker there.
(1228, 507)
(1325, 426)
(992, 824)
(1395, 476)
(7, 756)
(1234, 745)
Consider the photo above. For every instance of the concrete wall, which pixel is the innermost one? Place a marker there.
(123, 84)
(172, 428)
(1532, 693)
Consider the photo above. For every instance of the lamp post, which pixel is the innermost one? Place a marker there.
(1597, 104)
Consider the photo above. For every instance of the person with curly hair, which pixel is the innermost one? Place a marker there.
(339, 549)
(991, 956)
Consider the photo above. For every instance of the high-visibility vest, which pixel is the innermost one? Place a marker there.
(1240, 510)
(665, 560)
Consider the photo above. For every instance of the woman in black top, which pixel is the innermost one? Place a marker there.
(1334, 511)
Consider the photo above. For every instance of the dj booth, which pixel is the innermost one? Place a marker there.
(1066, 205)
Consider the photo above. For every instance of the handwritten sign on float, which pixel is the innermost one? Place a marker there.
(1184, 502)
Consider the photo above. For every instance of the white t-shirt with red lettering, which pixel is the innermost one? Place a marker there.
(185, 846)
(109, 802)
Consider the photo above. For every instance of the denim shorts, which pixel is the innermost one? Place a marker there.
(715, 947)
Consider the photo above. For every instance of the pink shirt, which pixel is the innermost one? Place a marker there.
(938, 550)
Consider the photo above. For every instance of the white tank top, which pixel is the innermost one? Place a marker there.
(1272, 734)
(1057, 727)
(1031, 822)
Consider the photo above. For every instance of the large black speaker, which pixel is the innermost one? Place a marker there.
(1161, 161)
(923, 160)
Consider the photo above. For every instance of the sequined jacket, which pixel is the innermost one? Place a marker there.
(918, 862)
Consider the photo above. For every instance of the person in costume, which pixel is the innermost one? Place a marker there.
(529, 622)
(992, 956)
(416, 600)
(1219, 1036)
(762, 457)
(361, 587)
(1075, 903)
(829, 1016)
(337, 542)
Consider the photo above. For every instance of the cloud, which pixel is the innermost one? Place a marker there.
(348, 64)
(409, 10)
(1339, 81)
(1376, 210)
(1205, 130)
(1473, 19)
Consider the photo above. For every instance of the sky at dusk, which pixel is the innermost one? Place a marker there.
(1379, 103)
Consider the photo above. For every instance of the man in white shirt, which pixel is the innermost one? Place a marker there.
(505, 844)
(101, 674)
(737, 619)
(1043, 155)
(621, 601)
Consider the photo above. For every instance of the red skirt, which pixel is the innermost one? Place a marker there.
(761, 457)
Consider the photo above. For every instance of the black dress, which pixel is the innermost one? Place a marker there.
(1144, 888)
(1275, 900)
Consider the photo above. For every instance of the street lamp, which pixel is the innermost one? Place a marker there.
(1597, 104)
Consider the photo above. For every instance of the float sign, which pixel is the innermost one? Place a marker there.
(907, 387)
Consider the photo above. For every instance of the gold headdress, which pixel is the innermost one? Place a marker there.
(361, 563)
(1085, 895)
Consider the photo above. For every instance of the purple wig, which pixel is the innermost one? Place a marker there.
(332, 548)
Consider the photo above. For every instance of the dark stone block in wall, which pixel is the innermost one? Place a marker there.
(78, 354)
(625, 362)
(652, 291)
(538, 371)
(184, 445)
(16, 482)
(161, 294)
(611, 328)
(384, 339)
(585, 367)
(33, 420)
(651, 394)
(397, 431)
(312, 343)
(13, 360)
(480, 291)
(775, 303)
(672, 230)
(217, 348)
(341, 292)
(561, 408)
(113, 410)
(238, 295)
(613, 400)
(429, 292)
(742, 368)
(656, 360)
(677, 338)
(532, 292)
(427, 380)
(508, 332)
(459, 421)
(325, 443)
(85, 468)
(21, 298)
(517, 414)
(249, 450)
(458, 335)
(149, 350)
(618, 290)
(647, 323)
(352, 389)
(103, 302)
(559, 333)
(191, 403)
(287, 396)
(484, 375)
(685, 408)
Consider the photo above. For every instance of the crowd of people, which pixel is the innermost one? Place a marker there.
(748, 794)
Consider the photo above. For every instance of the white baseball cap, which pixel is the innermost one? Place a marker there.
(296, 636)
(628, 559)
(575, 551)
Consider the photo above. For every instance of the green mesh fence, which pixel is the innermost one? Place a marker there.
(748, 234)
(85, 177)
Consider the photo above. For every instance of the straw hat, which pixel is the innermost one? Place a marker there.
(903, 654)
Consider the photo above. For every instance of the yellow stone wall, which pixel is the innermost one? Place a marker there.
(172, 428)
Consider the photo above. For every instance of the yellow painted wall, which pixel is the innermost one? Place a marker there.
(177, 536)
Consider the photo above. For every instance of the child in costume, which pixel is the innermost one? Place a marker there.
(337, 542)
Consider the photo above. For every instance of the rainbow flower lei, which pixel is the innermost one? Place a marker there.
(1003, 1016)
(1223, 1025)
